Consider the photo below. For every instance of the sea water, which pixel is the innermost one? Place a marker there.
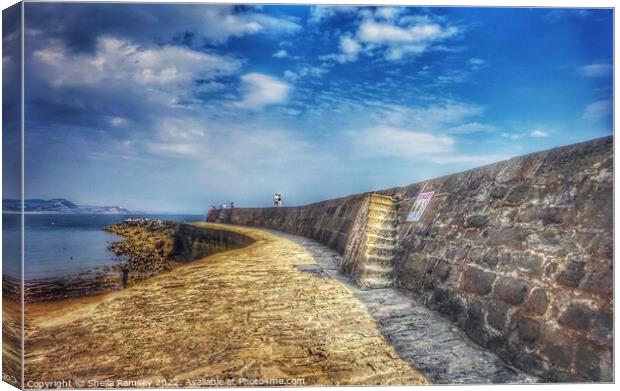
(63, 245)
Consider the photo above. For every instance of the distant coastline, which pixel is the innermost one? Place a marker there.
(60, 206)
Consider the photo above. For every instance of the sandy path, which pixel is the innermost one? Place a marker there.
(251, 313)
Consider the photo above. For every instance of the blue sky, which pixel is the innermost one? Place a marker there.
(172, 108)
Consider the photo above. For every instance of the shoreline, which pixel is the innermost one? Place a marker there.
(48, 310)
(150, 248)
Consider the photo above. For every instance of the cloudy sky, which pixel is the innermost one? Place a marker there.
(172, 108)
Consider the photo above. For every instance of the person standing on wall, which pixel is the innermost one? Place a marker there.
(211, 213)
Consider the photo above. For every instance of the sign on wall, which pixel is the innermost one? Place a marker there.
(421, 202)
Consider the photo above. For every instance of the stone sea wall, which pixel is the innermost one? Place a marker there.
(519, 254)
(328, 222)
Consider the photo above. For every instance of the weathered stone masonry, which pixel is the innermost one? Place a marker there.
(519, 254)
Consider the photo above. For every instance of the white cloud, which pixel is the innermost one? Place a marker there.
(389, 13)
(322, 12)
(390, 141)
(171, 70)
(512, 136)
(598, 110)
(435, 117)
(304, 72)
(538, 133)
(219, 23)
(385, 33)
(177, 137)
(260, 90)
(281, 54)
(350, 48)
(596, 70)
(476, 63)
(471, 127)
(394, 36)
(175, 149)
(118, 121)
(291, 75)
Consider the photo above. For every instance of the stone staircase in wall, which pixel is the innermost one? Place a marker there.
(376, 268)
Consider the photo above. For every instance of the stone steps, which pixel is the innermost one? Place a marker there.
(382, 246)
(377, 270)
(382, 229)
(388, 218)
(373, 239)
(374, 283)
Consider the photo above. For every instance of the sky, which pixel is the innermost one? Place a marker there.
(173, 108)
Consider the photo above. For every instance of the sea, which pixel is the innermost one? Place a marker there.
(64, 245)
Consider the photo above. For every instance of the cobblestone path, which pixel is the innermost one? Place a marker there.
(422, 337)
(265, 313)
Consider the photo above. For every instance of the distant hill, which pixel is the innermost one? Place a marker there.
(60, 205)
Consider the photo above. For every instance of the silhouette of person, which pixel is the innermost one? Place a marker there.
(125, 277)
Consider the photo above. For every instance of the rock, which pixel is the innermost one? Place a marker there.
(527, 329)
(600, 279)
(557, 348)
(476, 280)
(587, 361)
(572, 274)
(530, 263)
(576, 316)
(497, 315)
(552, 216)
(491, 258)
(603, 328)
(517, 194)
(509, 236)
(511, 290)
(442, 270)
(477, 221)
(538, 301)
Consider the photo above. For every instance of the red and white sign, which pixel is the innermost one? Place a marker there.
(421, 202)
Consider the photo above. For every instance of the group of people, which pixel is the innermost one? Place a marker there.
(277, 200)
(214, 214)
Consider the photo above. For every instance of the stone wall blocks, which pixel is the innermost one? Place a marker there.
(587, 361)
(477, 221)
(517, 194)
(571, 274)
(603, 328)
(538, 301)
(497, 315)
(530, 263)
(577, 316)
(600, 279)
(511, 290)
(514, 237)
(476, 280)
(527, 329)
(442, 269)
(558, 349)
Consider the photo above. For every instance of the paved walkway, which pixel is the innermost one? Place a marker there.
(247, 315)
(426, 340)
(275, 310)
